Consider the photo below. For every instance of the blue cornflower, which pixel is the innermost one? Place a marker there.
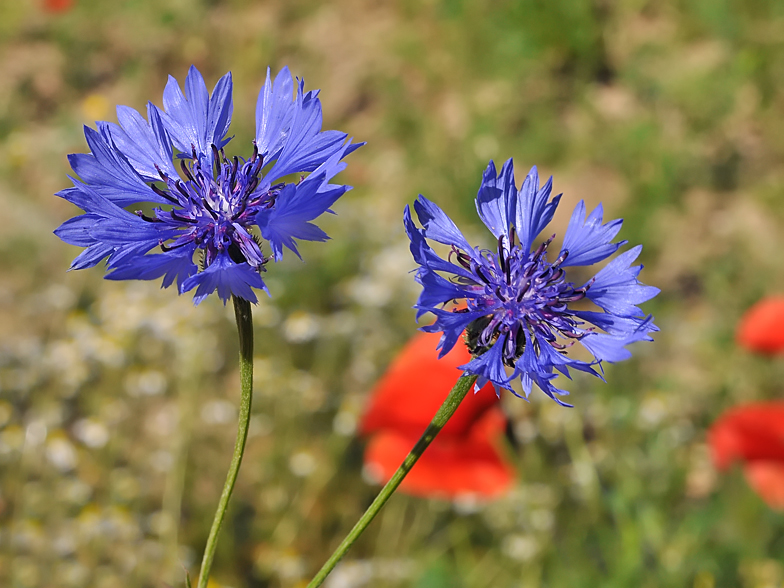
(213, 211)
(519, 309)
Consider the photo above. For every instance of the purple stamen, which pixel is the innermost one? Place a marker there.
(526, 288)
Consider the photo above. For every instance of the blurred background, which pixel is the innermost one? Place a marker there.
(118, 400)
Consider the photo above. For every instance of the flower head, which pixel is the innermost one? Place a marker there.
(465, 458)
(212, 209)
(520, 310)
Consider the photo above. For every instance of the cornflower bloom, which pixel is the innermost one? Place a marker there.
(216, 209)
(516, 308)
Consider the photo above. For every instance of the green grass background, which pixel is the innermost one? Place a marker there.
(117, 400)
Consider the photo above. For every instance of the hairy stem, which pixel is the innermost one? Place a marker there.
(244, 317)
(444, 413)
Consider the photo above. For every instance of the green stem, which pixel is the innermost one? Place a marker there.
(245, 327)
(444, 413)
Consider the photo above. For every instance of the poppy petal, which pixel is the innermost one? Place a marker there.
(55, 6)
(747, 433)
(761, 329)
(452, 466)
(767, 479)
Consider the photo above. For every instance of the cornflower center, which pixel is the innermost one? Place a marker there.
(215, 208)
(524, 298)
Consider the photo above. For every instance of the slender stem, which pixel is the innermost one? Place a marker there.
(245, 327)
(444, 413)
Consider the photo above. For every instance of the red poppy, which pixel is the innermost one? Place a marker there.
(754, 435)
(57, 5)
(762, 327)
(465, 458)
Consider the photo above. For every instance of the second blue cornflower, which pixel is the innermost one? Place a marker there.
(514, 307)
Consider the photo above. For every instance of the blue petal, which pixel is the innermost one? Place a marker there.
(416, 236)
(228, 278)
(298, 204)
(616, 288)
(121, 253)
(550, 358)
(220, 111)
(452, 324)
(612, 347)
(111, 224)
(306, 147)
(496, 200)
(587, 240)
(144, 144)
(534, 212)
(129, 251)
(275, 109)
(130, 229)
(249, 248)
(172, 264)
(424, 255)
(91, 256)
(531, 369)
(76, 231)
(490, 366)
(111, 175)
(198, 121)
(612, 324)
(88, 200)
(437, 290)
(439, 227)
(81, 230)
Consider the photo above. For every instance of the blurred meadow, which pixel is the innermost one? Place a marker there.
(118, 399)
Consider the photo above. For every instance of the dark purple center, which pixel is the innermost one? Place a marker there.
(523, 297)
(215, 208)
